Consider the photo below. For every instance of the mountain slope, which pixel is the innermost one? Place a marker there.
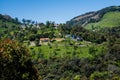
(110, 19)
(7, 22)
(107, 17)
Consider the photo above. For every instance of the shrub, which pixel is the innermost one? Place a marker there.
(98, 75)
(15, 63)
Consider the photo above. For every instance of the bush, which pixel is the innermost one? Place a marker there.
(15, 63)
(32, 37)
(98, 75)
(77, 77)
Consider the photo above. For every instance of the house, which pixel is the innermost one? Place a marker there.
(56, 26)
(44, 40)
(79, 38)
(67, 36)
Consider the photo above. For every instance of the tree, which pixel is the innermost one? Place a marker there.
(51, 35)
(37, 42)
(52, 24)
(16, 20)
(47, 24)
(24, 21)
(15, 62)
(34, 30)
(32, 37)
(92, 50)
(28, 22)
(41, 24)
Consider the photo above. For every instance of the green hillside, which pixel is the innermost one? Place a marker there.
(110, 19)
(8, 23)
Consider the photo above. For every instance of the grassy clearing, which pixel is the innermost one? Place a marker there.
(62, 51)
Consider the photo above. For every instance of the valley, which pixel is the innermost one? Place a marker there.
(85, 48)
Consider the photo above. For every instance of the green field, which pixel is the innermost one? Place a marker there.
(110, 19)
(61, 51)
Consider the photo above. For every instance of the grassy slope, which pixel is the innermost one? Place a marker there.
(110, 19)
(9, 24)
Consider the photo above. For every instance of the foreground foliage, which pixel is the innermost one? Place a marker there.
(15, 63)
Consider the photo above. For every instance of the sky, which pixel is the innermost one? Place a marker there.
(58, 11)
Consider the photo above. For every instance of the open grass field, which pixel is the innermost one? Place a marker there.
(61, 51)
(110, 19)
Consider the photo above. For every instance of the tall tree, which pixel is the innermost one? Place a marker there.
(47, 24)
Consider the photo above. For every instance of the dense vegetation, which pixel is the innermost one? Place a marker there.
(103, 64)
(83, 54)
(15, 63)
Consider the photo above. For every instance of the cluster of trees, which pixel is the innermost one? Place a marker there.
(25, 30)
(88, 35)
